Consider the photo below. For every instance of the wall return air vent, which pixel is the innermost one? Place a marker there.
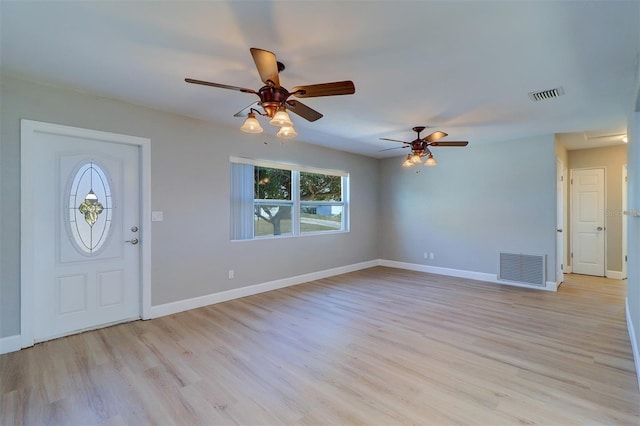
(522, 268)
(546, 94)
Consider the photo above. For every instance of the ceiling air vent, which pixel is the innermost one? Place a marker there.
(546, 94)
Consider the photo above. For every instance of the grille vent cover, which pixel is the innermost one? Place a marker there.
(546, 94)
(522, 268)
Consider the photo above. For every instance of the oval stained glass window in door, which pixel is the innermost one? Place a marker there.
(90, 208)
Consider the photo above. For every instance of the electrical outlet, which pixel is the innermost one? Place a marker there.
(231, 274)
(426, 255)
(431, 256)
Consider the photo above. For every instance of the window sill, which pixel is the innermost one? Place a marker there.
(280, 237)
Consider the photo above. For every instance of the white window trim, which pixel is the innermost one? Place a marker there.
(287, 166)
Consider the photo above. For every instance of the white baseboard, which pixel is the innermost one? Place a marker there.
(13, 343)
(209, 299)
(460, 273)
(480, 276)
(10, 344)
(634, 342)
(615, 275)
(552, 286)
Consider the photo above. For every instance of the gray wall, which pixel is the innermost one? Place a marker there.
(612, 159)
(633, 223)
(478, 201)
(191, 251)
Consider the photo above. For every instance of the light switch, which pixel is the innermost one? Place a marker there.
(157, 216)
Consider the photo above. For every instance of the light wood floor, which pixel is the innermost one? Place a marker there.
(381, 347)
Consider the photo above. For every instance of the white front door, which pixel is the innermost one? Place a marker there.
(587, 221)
(81, 197)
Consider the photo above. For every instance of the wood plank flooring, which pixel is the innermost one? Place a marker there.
(380, 346)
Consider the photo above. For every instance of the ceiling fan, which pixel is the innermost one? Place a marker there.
(274, 99)
(420, 147)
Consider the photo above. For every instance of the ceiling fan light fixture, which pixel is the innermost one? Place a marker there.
(420, 147)
(251, 124)
(287, 132)
(281, 119)
(431, 162)
(416, 158)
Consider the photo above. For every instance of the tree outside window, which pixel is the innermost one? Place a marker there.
(272, 201)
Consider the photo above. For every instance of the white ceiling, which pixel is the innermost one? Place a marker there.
(465, 68)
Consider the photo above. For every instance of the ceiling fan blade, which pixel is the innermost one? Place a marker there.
(267, 65)
(222, 86)
(324, 89)
(434, 136)
(452, 143)
(303, 111)
(395, 147)
(245, 112)
(394, 140)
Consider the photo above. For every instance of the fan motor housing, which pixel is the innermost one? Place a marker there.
(272, 98)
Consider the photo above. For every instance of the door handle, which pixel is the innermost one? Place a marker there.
(133, 241)
(599, 228)
(558, 230)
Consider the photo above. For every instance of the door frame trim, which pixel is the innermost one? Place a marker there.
(27, 184)
(625, 224)
(560, 211)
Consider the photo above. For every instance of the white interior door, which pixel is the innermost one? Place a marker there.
(559, 222)
(84, 215)
(587, 221)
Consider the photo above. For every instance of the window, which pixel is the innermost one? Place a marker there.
(89, 208)
(273, 200)
(321, 205)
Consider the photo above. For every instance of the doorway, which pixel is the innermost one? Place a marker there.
(84, 255)
(588, 221)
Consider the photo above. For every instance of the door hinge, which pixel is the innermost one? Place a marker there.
(561, 267)
(561, 178)
(572, 255)
(625, 258)
(571, 181)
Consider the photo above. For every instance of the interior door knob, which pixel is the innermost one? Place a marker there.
(599, 228)
(133, 241)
